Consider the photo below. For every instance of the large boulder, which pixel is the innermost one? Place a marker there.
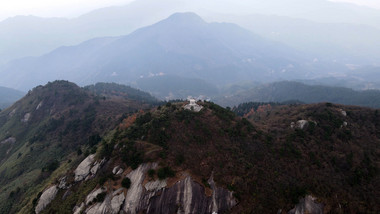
(47, 196)
(83, 170)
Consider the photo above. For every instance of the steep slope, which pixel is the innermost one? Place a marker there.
(170, 160)
(8, 96)
(48, 129)
(182, 45)
(288, 90)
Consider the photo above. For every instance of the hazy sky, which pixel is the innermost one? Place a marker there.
(72, 8)
(53, 8)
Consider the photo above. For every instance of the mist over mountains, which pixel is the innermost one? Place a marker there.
(182, 45)
(281, 112)
(327, 26)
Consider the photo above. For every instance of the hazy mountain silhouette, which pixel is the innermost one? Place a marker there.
(33, 36)
(182, 45)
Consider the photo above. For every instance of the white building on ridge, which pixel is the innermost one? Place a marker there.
(193, 106)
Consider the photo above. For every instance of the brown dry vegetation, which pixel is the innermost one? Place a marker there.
(268, 165)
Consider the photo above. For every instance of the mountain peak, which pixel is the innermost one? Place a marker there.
(186, 17)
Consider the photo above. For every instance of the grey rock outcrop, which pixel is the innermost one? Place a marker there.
(117, 201)
(39, 105)
(186, 196)
(117, 170)
(112, 203)
(47, 196)
(90, 198)
(78, 209)
(63, 183)
(307, 205)
(133, 202)
(83, 170)
(155, 185)
(96, 166)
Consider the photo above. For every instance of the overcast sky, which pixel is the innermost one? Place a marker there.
(73, 8)
(53, 8)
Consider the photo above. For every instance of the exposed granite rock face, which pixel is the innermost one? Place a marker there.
(222, 199)
(47, 196)
(83, 170)
(307, 205)
(155, 185)
(111, 204)
(133, 202)
(186, 196)
(117, 201)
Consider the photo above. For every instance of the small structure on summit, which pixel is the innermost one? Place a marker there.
(193, 106)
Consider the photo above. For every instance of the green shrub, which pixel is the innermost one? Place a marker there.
(100, 197)
(50, 167)
(180, 158)
(165, 172)
(126, 183)
(151, 173)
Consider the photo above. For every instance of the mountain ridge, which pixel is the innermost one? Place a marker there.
(291, 90)
(194, 50)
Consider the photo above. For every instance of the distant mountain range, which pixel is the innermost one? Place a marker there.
(295, 91)
(328, 42)
(182, 45)
(8, 96)
(317, 26)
